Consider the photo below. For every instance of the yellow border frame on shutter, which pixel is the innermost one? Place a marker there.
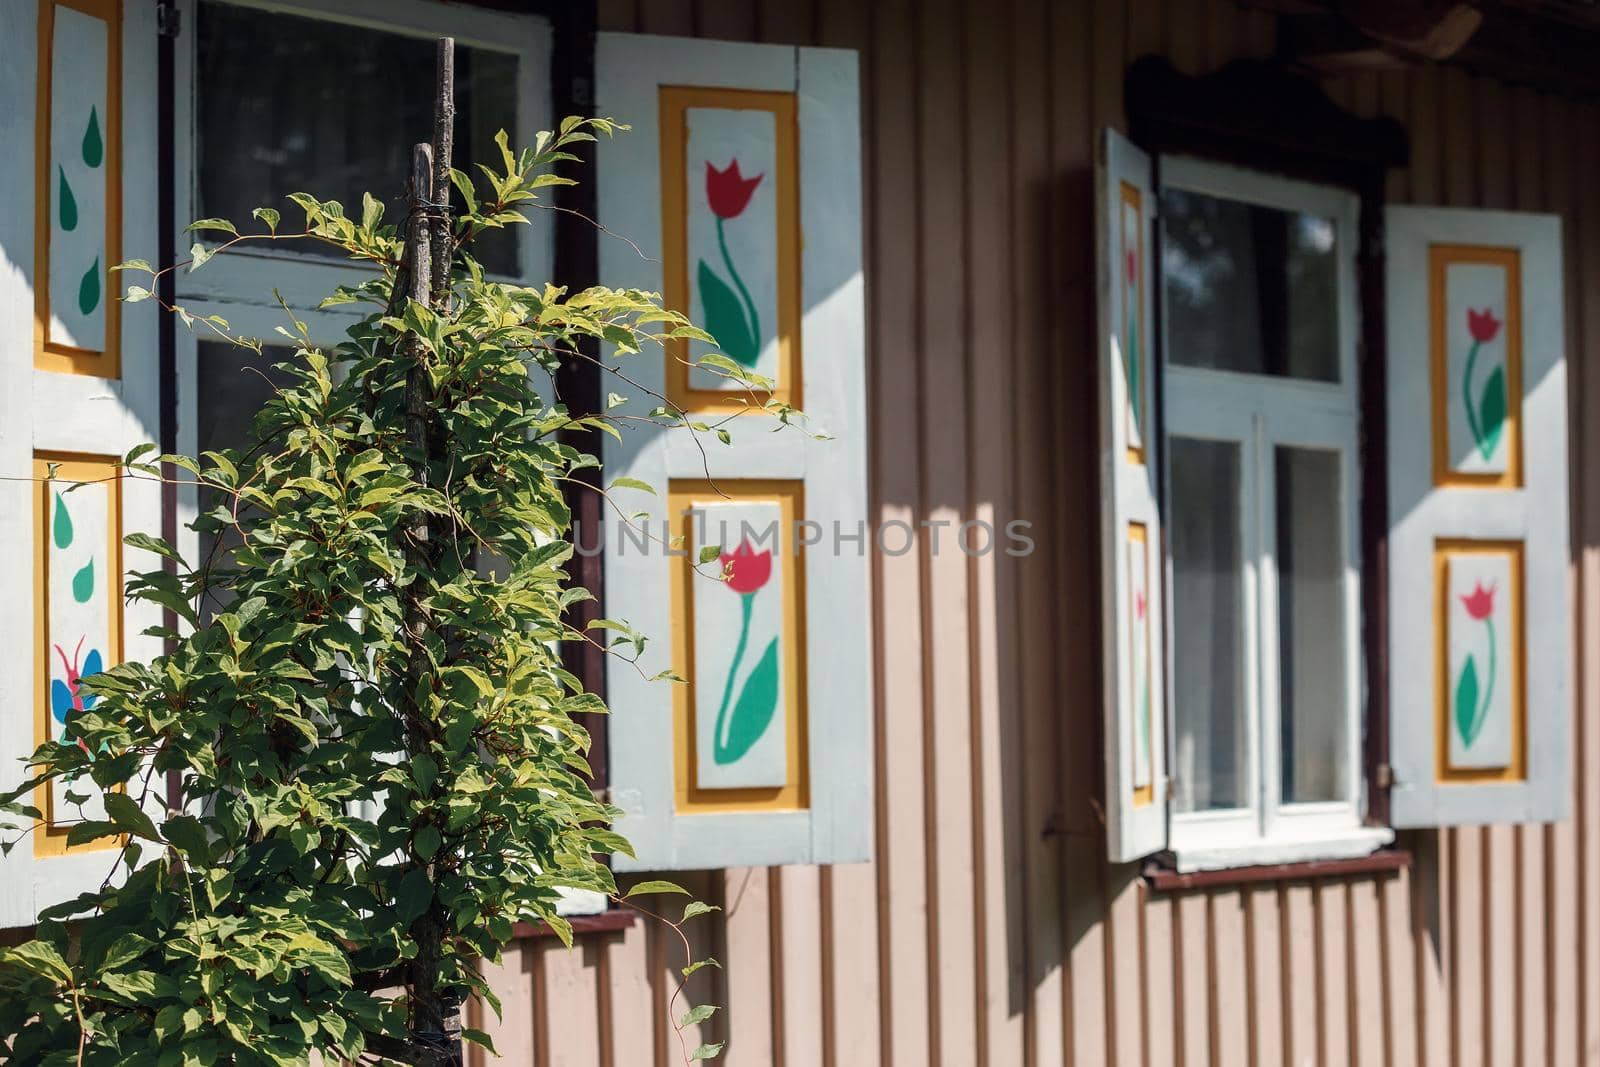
(675, 100)
(48, 355)
(48, 838)
(1139, 535)
(1440, 259)
(794, 794)
(1516, 768)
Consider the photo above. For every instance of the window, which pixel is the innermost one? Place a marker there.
(1261, 424)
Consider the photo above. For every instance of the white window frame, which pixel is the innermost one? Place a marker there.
(1259, 413)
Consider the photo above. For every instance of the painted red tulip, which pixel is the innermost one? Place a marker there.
(748, 570)
(1480, 602)
(1138, 606)
(727, 191)
(1133, 267)
(1482, 325)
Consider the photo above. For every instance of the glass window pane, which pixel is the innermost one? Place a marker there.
(1249, 288)
(290, 104)
(1212, 750)
(233, 384)
(1313, 697)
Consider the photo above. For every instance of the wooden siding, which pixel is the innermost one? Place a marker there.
(990, 931)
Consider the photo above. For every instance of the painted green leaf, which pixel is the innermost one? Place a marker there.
(1467, 702)
(1492, 412)
(66, 203)
(89, 289)
(63, 524)
(725, 318)
(753, 713)
(83, 582)
(94, 148)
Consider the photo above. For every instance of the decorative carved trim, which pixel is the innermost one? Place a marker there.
(1257, 113)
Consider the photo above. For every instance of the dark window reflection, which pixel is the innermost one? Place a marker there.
(1248, 288)
(291, 104)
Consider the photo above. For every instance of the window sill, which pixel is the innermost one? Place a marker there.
(1354, 844)
(605, 921)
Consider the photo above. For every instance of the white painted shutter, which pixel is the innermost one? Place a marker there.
(705, 779)
(80, 390)
(1480, 609)
(1132, 616)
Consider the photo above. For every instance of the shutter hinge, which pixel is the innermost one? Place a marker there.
(1384, 776)
(169, 20)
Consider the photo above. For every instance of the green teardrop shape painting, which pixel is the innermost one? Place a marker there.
(63, 524)
(66, 204)
(83, 583)
(89, 289)
(94, 149)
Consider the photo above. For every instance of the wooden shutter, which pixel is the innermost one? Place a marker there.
(1480, 610)
(1132, 616)
(85, 397)
(764, 756)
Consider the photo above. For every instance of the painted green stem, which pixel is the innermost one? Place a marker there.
(1488, 689)
(1466, 399)
(733, 669)
(749, 304)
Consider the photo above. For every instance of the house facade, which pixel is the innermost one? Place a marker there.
(1263, 727)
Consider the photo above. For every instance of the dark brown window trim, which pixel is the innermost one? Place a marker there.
(604, 922)
(1261, 115)
(1163, 879)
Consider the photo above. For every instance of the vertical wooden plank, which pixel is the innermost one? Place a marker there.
(1124, 998)
(1301, 976)
(723, 21)
(571, 1020)
(1230, 971)
(997, 846)
(785, 21)
(897, 596)
(627, 1005)
(1333, 983)
(512, 981)
(1267, 978)
(1588, 732)
(797, 945)
(617, 16)
(1160, 981)
(1402, 1021)
(1041, 75)
(747, 933)
(1192, 963)
(675, 17)
(851, 905)
(944, 445)
(1369, 991)
(1564, 190)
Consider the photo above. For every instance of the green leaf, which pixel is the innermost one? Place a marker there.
(89, 289)
(709, 553)
(725, 318)
(268, 215)
(478, 1037)
(222, 225)
(428, 841)
(83, 582)
(753, 712)
(697, 1014)
(696, 908)
(66, 203)
(656, 886)
(62, 526)
(707, 1052)
(124, 950)
(128, 816)
(633, 483)
(40, 958)
(413, 896)
(93, 147)
(1467, 701)
(698, 964)
(1492, 412)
